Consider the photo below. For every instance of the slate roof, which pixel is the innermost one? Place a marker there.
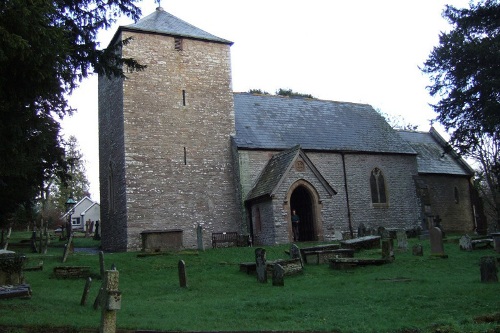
(272, 173)
(276, 122)
(164, 23)
(277, 168)
(431, 155)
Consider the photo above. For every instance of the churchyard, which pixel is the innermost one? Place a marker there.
(418, 288)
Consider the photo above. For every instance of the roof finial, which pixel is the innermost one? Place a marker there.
(159, 4)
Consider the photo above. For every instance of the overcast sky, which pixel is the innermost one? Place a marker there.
(361, 51)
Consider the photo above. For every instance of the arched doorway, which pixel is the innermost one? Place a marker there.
(302, 201)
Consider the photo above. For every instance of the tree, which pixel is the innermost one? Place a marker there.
(77, 185)
(47, 48)
(465, 73)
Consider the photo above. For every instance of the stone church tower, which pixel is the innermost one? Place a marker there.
(164, 136)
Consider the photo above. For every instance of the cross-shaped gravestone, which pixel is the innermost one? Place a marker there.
(261, 265)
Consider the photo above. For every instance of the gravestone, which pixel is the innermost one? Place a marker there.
(488, 269)
(182, 274)
(296, 254)
(418, 250)
(496, 241)
(261, 265)
(102, 269)
(387, 249)
(436, 239)
(382, 232)
(465, 243)
(199, 237)
(86, 291)
(437, 223)
(402, 240)
(361, 230)
(97, 236)
(278, 275)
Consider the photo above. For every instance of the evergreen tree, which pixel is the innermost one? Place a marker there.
(47, 47)
(465, 73)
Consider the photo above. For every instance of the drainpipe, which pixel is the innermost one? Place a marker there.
(347, 197)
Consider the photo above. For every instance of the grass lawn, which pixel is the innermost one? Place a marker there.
(412, 294)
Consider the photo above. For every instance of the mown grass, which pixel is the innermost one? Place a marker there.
(412, 294)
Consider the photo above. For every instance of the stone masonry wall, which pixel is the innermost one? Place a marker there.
(178, 118)
(456, 216)
(112, 165)
(402, 211)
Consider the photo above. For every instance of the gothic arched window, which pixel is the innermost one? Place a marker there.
(377, 187)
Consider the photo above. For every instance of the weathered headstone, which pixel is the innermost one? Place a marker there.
(261, 265)
(436, 239)
(387, 249)
(496, 241)
(437, 223)
(33, 242)
(182, 274)
(361, 230)
(488, 269)
(402, 240)
(278, 275)
(382, 232)
(418, 250)
(199, 237)
(96, 232)
(67, 248)
(86, 291)
(465, 243)
(111, 302)
(101, 264)
(295, 254)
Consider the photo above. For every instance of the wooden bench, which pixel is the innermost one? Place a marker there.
(346, 263)
(229, 238)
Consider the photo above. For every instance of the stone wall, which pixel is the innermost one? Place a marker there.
(112, 165)
(402, 210)
(456, 215)
(178, 118)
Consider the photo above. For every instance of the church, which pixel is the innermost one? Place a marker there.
(180, 152)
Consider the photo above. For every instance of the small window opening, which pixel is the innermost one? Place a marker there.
(377, 186)
(183, 97)
(178, 44)
(185, 156)
(457, 197)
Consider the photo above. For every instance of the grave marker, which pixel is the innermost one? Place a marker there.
(101, 264)
(199, 237)
(436, 239)
(387, 249)
(465, 243)
(111, 302)
(261, 265)
(402, 240)
(488, 269)
(278, 275)
(182, 274)
(418, 250)
(86, 290)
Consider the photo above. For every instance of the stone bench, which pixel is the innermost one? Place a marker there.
(366, 242)
(323, 257)
(346, 263)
